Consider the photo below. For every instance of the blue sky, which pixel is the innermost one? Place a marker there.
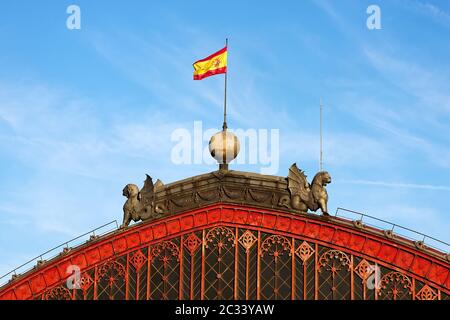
(84, 112)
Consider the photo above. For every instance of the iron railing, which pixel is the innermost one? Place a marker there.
(97, 232)
(400, 231)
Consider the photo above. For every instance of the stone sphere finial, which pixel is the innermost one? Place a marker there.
(224, 147)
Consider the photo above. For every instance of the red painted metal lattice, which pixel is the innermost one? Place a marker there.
(234, 252)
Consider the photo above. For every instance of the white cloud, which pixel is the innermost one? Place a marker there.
(430, 10)
(396, 184)
(341, 149)
(425, 84)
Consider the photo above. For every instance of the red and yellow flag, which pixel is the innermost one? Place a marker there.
(211, 65)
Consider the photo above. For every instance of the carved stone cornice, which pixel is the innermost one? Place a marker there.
(227, 187)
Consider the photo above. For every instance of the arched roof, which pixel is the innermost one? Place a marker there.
(430, 267)
(241, 202)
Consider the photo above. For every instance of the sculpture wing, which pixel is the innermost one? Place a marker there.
(147, 191)
(297, 183)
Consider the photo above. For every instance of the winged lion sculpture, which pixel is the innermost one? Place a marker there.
(140, 204)
(304, 196)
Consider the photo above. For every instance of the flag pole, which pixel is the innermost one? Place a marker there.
(224, 127)
(321, 143)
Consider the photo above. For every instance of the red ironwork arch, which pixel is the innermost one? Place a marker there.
(247, 233)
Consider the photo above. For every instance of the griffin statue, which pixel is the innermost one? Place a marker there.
(140, 204)
(304, 196)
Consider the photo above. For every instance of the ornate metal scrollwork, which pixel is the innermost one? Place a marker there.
(227, 266)
(364, 269)
(138, 259)
(160, 248)
(219, 237)
(304, 251)
(330, 255)
(58, 293)
(111, 266)
(426, 293)
(192, 243)
(247, 240)
(394, 285)
(86, 281)
(275, 246)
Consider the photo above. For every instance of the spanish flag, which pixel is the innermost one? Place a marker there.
(211, 65)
